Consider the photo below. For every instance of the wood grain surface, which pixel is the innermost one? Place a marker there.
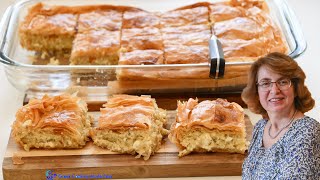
(95, 161)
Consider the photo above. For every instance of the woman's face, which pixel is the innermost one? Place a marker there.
(273, 99)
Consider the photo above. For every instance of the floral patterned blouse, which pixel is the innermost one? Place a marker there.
(296, 155)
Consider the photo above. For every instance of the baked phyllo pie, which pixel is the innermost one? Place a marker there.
(222, 12)
(209, 126)
(139, 57)
(244, 49)
(47, 31)
(186, 36)
(249, 36)
(238, 28)
(180, 54)
(52, 123)
(96, 47)
(140, 19)
(141, 39)
(182, 17)
(130, 124)
(185, 29)
(100, 19)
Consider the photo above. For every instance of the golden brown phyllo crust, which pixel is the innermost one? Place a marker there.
(244, 28)
(209, 126)
(52, 122)
(131, 124)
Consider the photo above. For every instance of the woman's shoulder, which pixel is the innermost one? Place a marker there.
(307, 124)
(306, 128)
(260, 124)
(258, 127)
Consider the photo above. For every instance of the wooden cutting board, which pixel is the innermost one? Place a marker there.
(95, 161)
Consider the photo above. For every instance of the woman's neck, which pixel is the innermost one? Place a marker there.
(278, 120)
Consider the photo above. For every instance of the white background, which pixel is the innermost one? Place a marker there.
(308, 14)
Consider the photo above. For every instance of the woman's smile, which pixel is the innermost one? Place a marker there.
(276, 100)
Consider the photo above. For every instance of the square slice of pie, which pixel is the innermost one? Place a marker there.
(140, 57)
(141, 39)
(140, 19)
(57, 122)
(48, 32)
(130, 124)
(224, 11)
(186, 35)
(100, 19)
(209, 126)
(182, 17)
(100, 47)
(181, 54)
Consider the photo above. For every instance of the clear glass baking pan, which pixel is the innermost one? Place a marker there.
(101, 80)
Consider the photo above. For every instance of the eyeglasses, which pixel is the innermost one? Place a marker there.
(282, 84)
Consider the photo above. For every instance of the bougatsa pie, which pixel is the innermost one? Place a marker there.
(57, 122)
(244, 28)
(103, 34)
(130, 124)
(209, 126)
(47, 32)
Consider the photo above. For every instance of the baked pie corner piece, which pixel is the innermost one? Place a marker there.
(58, 122)
(48, 30)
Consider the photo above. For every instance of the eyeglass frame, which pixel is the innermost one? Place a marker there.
(277, 84)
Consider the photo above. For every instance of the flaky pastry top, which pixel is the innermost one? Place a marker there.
(194, 16)
(140, 19)
(125, 111)
(51, 25)
(108, 19)
(63, 113)
(96, 43)
(216, 114)
(138, 57)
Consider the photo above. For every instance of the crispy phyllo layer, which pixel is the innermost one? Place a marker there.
(139, 57)
(130, 124)
(110, 20)
(176, 54)
(250, 36)
(96, 34)
(96, 47)
(209, 126)
(53, 123)
(140, 19)
(48, 33)
(182, 17)
(141, 39)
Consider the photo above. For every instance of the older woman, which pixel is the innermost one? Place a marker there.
(285, 143)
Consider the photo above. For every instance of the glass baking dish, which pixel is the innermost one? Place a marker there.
(101, 80)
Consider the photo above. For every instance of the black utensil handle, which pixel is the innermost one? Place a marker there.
(217, 66)
(217, 61)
